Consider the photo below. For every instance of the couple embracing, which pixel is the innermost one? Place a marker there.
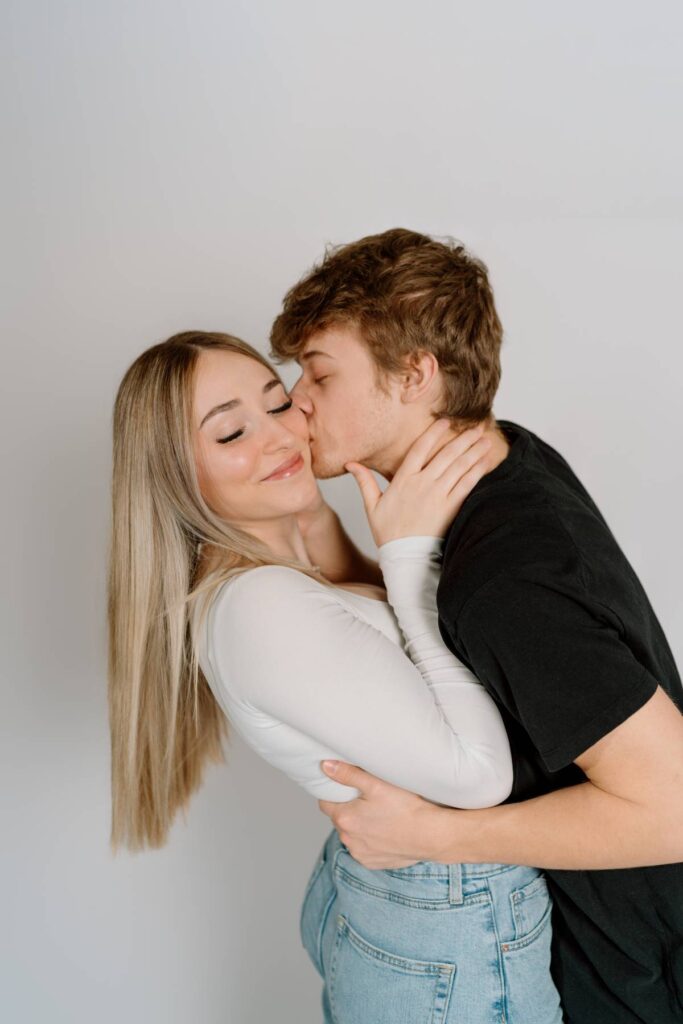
(490, 714)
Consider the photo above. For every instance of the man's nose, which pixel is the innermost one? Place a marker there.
(300, 398)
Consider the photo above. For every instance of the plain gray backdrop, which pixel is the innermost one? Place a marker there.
(170, 165)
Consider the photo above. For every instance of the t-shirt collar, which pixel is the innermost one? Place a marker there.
(519, 440)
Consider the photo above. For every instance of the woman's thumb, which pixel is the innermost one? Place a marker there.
(369, 488)
(347, 774)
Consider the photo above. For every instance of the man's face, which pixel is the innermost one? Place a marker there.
(349, 417)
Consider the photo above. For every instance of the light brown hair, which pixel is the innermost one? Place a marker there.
(165, 723)
(405, 292)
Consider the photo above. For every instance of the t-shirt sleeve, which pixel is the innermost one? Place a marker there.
(554, 660)
(293, 649)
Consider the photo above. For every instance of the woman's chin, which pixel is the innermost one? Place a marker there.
(302, 494)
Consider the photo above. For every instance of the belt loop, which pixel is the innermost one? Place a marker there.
(455, 883)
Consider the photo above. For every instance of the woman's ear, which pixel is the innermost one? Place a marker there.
(419, 377)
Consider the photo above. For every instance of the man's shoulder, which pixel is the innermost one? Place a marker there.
(531, 516)
(534, 474)
(531, 541)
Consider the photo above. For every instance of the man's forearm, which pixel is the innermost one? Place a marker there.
(580, 827)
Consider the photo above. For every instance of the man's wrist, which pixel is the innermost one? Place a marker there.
(453, 835)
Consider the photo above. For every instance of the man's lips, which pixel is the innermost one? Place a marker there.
(295, 463)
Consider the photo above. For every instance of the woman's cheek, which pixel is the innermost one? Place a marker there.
(232, 473)
(240, 465)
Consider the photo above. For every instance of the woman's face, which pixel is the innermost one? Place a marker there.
(250, 441)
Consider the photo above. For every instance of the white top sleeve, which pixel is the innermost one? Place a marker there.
(411, 567)
(292, 648)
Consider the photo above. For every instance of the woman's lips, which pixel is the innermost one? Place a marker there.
(288, 469)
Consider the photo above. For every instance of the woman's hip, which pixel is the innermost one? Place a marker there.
(475, 936)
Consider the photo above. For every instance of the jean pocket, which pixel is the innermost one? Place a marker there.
(531, 994)
(530, 903)
(317, 900)
(367, 983)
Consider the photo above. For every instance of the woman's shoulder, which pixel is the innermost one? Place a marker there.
(265, 611)
(283, 602)
(253, 618)
(261, 579)
(268, 588)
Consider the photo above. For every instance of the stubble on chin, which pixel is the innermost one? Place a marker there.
(326, 469)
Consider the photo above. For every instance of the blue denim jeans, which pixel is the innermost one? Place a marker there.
(429, 944)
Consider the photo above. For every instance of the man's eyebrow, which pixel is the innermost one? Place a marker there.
(224, 406)
(314, 352)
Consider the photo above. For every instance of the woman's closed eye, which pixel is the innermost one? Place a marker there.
(238, 433)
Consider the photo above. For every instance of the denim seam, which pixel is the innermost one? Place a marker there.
(499, 959)
(333, 971)
(405, 873)
(319, 937)
(490, 874)
(530, 889)
(410, 901)
(311, 882)
(511, 947)
(415, 874)
(422, 968)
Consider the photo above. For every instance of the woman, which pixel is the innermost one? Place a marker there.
(217, 611)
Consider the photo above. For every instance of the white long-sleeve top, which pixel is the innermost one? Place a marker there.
(306, 672)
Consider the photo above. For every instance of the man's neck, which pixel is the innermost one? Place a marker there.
(388, 465)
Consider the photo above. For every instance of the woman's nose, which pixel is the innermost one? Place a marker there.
(300, 398)
(278, 435)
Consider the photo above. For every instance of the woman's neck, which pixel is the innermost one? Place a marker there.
(281, 536)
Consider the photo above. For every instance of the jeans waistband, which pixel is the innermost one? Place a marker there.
(457, 874)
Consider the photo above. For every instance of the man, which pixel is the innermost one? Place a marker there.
(537, 598)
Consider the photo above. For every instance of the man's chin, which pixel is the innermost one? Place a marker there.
(324, 469)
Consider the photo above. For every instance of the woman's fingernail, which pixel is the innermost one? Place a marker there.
(330, 766)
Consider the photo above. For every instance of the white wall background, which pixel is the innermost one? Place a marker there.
(171, 165)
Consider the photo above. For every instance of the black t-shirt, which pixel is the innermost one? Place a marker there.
(538, 599)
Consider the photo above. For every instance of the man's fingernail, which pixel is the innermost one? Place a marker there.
(331, 766)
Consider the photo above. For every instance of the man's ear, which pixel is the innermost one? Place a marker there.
(419, 377)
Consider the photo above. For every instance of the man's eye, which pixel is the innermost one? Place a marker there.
(318, 380)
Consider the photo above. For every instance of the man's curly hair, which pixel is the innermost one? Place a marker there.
(405, 292)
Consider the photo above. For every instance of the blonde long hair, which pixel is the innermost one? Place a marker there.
(165, 723)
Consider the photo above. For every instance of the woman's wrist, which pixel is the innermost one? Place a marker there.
(418, 548)
(416, 543)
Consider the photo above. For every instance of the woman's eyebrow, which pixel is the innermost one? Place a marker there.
(224, 406)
